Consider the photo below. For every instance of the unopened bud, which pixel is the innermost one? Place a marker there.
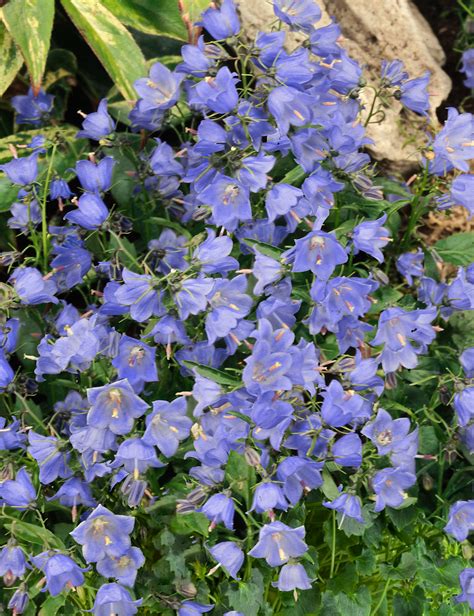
(427, 481)
(187, 589)
(252, 457)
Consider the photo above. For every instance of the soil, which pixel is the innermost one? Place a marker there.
(448, 23)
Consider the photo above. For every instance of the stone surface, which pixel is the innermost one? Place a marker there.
(376, 30)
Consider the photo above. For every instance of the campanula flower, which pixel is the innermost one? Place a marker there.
(393, 73)
(414, 94)
(18, 493)
(90, 214)
(191, 608)
(192, 296)
(347, 450)
(272, 418)
(6, 372)
(161, 89)
(397, 329)
(114, 599)
(12, 563)
(461, 520)
(167, 425)
(298, 475)
(292, 576)
(11, 436)
(74, 492)
(387, 433)
(340, 407)
(22, 171)
(370, 236)
(253, 171)
(266, 270)
(32, 288)
(467, 67)
(138, 292)
(466, 580)
(70, 266)
(462, 192)
(229, 556)
(389, 486)
(281, 199)
(97, 124)
(59, 189)
(60, 571)
(32, 109)
(51, 456)
(467, 362)
(277, 543)
(95, 177)
(268, 496)
(123, 568)
(198, 59)
(136, 457)
(298, 14)
(410, 265)
(319, 252)
(289, 107)
(114, 406)
(229, 201)
(223, 22)
(24, 216)
(212, 255)
(9, 331)
(219, 508)
(103, 534)
(217, 93)
(19, 601)
(345, 73)
(229, 304)
(453, 146)
(347, 505)
(135, 362)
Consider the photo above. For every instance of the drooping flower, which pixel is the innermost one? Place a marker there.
(389, 486)
(292, 576)
(114, 599)
(461, 520)
(19, 492)
(123, 568)
(229, 555)
(60, 571)
(97, 124)
(167, 425)
(277, 543)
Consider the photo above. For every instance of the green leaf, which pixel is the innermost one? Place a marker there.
(52, 605)
(329, 486)
(110, 41)
(190, 523)
(266, 249)
(222, 378)
(146, 16)
(194, 8)
(457, 249)
(409, 606)
(32, 533)
(30, 23)
(8, 193)
(247, 597)
(11, 59)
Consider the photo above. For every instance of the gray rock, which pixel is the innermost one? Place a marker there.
(376, 30)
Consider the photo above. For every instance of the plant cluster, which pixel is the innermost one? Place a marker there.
(235, 378)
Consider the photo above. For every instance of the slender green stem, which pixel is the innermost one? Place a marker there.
(379, 604)
(44, 221)
(333, 546)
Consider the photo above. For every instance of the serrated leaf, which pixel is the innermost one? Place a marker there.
(110, 41)
(32, 533)
(12, 59)
(247, 597)
(150, 17)
(457, 249)
(30, 23)
(218, 376)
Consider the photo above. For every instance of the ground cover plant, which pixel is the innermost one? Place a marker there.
(236, 379)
